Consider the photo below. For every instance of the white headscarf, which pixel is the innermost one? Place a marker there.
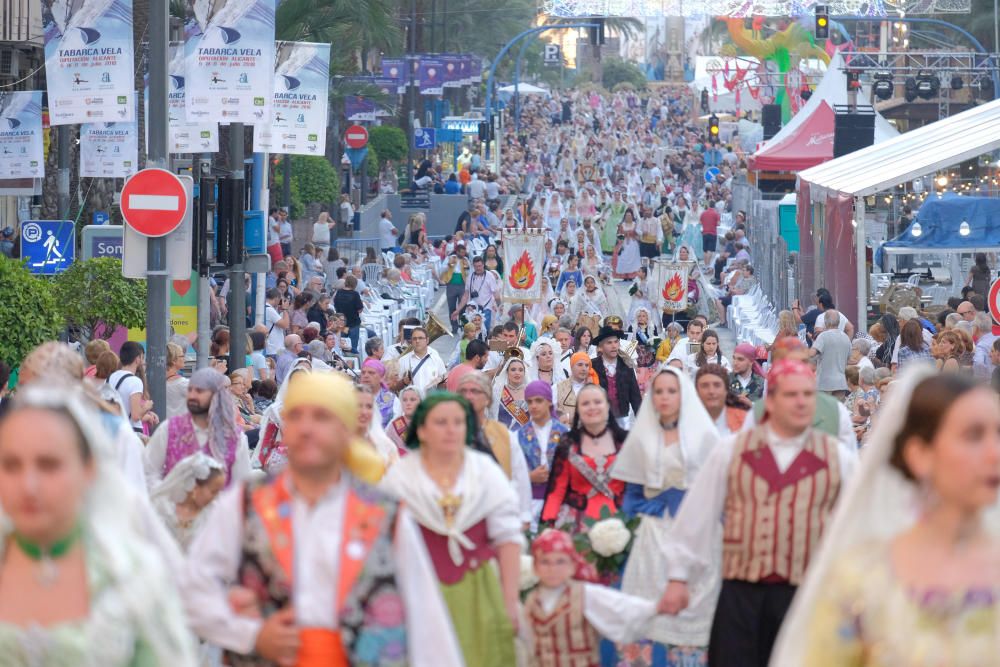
(183, 477)
(117, 534)
(875, 484)
(640, 460)
(500, 381)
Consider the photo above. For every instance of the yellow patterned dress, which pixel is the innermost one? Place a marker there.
(866, 617)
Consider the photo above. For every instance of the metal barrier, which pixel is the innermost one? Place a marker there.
(769, 252)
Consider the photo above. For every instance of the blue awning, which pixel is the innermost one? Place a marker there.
(937, 226)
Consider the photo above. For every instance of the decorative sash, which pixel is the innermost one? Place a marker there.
(509, 403)
(598, 478)
(400, 425)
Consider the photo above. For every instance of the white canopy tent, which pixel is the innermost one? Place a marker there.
(937, 145)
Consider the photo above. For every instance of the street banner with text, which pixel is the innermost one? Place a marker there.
(185, 136)
(299, 106)
(108, 150)
(21, 145)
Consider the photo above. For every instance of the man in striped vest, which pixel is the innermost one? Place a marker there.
(775, 486)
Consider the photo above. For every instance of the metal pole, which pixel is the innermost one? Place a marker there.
(411, 92)
(286, 182)
(237, 284)
(204, 289)
(861, 259)
(157, 296)
(63, 175)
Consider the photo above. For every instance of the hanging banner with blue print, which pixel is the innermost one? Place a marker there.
(108, 150)
(185, 136)
(21, 154)
(89, 65)
(229, 49)
(301, 98)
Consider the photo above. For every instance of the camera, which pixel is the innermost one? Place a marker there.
(474, 294)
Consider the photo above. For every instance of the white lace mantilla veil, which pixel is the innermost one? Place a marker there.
(500, 381)
(875, 484)
(638, 461)
(183, 477)
(113, 528)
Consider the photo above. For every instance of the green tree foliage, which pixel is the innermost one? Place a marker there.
(29, 315)
(374, 161)
(314, 181)
(618, 71)
(388, 142)
(93, 291)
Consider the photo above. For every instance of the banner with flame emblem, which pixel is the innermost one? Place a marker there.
(671, 281)
(523, 259)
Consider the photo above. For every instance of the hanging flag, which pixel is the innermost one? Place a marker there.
(185, 136)
(476, 68)
(301, 98)
(108, 150)
(229, 49)
(21, 150)
(672, 285)
(388, 88)
(358, 108)
(524, 259)
(452, 70)
(89, 66)
(395, 68)
(431, 76)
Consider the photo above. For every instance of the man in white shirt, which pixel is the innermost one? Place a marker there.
(209, 426)
(476, 188)
(387, 232)
(130, 388)
(775, 487)
(321, 536)
(422, 366)
(285, 233)
(276, 321)
(681, 349)
(481, 290)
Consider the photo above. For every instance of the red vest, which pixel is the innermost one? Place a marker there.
(563, 638)
(773, 519)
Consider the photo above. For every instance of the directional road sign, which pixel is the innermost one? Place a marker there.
(154, 202)
(356, 136)
(424, 138)
(102, 241)
(49, 246)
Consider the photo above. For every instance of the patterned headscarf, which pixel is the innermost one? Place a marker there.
(552, 541)
(221, 411)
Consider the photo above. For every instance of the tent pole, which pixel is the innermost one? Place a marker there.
(861, 259)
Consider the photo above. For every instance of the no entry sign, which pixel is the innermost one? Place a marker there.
(356, 136)
(154, 202)
(994, 304)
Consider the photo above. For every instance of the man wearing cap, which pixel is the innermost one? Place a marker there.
(617, 378)
(747, 378)
(495, 439)
(329, 570)
(775, 486)
(208, 426)
(538, 440)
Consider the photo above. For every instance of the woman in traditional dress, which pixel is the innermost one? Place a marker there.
(269, 454)
(370, 429)
(612, 217)
(571, 271)
(586, 208)
(691, 235)
(580, 483)
(544, 365)
(186, 492)
(593, 264)
(626, 259)
(387, 403)
(672, 436)
(916, 582)
(509, 406)
(79, 583)
(409, 399)
(469, 517)
(647, 334)
(591, 300)
(493, 260)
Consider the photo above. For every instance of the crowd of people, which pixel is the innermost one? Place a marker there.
(587, 480)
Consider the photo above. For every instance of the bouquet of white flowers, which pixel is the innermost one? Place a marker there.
(609, 537)
(528, 577)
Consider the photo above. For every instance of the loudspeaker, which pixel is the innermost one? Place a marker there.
(852, 130)
(770, 115)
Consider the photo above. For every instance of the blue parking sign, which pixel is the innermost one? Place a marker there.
(48, 246)
(424, 139)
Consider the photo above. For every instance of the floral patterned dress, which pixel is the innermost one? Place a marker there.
(867, 618)
(580, 487)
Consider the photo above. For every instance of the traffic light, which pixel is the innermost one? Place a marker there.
(713, 129)
(822, 22)
(597, 32)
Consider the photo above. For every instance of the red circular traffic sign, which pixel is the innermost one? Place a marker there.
(994, 303)
(356, 137)
(154, 202)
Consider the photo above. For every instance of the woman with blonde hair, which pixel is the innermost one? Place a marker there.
(177, 384)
